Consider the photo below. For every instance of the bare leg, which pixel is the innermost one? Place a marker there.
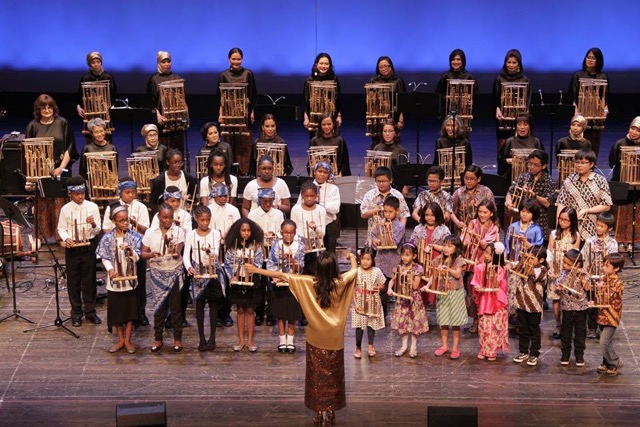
(240, 327)
(250, 315)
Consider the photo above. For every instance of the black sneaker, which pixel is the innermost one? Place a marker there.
(564, 362)
(259, 321)
(579, 362)
(77, 322)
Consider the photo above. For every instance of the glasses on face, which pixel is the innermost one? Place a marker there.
(382, 181)
(46, 107)
(564, 219)
(591, 58)
(534, 164)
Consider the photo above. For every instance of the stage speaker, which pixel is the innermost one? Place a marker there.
(449, 416)
(141, 414)
(10, 158)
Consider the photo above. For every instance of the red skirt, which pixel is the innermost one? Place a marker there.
(324, 382)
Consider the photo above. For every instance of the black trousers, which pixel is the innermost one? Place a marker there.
(529, 336)
(212, 295)
(141, 289)
(574, 327)
(592, 318)
(81, 280)
(264, 297)
(332, 232)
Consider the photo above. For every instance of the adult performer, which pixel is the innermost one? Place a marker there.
(325, 301)
(239, 137)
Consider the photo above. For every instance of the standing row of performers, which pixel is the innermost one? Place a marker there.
(171, 129)
(457, 236)
(48, 123)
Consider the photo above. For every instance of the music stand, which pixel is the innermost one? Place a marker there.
(131, 114)
(420, 106)
(553, 112)
(14, 215)
(410, 174)
(352, 190)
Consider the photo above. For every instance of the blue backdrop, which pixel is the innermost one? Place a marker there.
(281, 37)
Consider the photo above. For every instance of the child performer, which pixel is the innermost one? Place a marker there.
(563, 238)
(218, 172)
(310, 219)
(117, 249)
(223, 213)
(435, 193)
(409, 316)
(287, 256)
(79, 221)
(493, 326)
(431, 232)
(467, 198)
(524, 233)
(172, 196)
(370, 282)
(270, 220)
(485, 229)
(609, 317)
(450, 308)
(138, 215)
(574, 306)
(372, 201)
(389, 232)
(329, 199)
(529, 296)
(201, 248)
(593, 252)
(163, 246)
(243, 242)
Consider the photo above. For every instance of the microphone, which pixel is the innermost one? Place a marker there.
(560, 97)
(541, 99)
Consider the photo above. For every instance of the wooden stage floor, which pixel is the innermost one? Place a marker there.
(51, 378)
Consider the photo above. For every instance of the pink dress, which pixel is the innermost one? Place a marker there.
(493, 317)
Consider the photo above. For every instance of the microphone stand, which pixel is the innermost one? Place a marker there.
(58, 271)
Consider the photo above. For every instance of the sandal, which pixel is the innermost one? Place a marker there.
(401, 352)
(357, 354)
(455, 354)
(482, 356)
(441, 351)
(372, 352)
(156, 346)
